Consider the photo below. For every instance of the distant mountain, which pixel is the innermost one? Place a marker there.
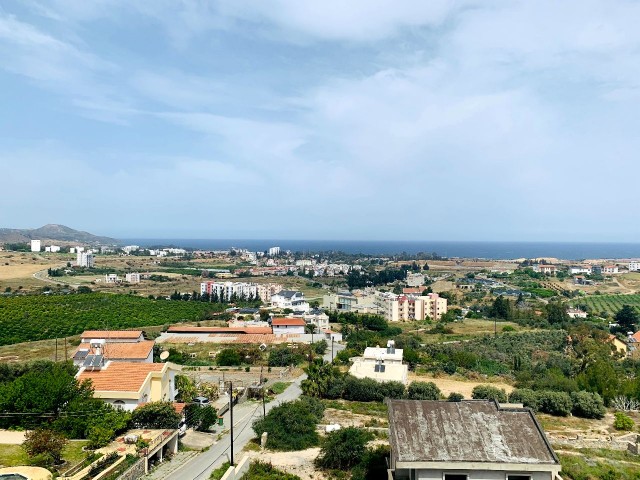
(52, 232)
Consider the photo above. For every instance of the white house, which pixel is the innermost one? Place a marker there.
(381, 364)
(290, 299)
(610, 269)
(112, 278)
(126, 385)
(467, 440)
(132, 277)
(288, 326)
(576, 313)
(634, 266)
(579, 269)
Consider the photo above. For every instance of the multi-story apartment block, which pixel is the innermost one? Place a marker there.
(634, 266)
(273, 251)
(262, 291)
(36, 245)
(396, 308)
(85, 259)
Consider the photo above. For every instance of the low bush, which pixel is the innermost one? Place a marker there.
(344, 448)
(489, 392)
(455, 397)
(587, 405)
(623, 422)
(291, 426)
(555, 403)
(526, 397)
(423, 391)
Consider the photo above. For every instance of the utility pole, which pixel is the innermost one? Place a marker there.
(65, 349)
(331, 348)
(56, 349)
(264, 408)
(231, 419)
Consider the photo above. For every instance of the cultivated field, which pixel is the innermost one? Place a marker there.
(609, 304)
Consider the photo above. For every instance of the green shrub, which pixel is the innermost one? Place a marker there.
(265, 471)
(423, 391)
(369, 390)
(155, 415)
(489, 392)
(344, 448)
(99, 437)
(283, 357)
(508, 328)
(313, 405)
(455, 397)
(526, 397)
(291, 426)
(587, 405)
(228, 357)
(623, 422)
(555, 403)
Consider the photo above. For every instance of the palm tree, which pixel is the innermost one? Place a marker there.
(320, 376)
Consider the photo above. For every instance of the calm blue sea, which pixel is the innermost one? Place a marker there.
(490, 250)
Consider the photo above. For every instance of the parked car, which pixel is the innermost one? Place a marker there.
(202, 401)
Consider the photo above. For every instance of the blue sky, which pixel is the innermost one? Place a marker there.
(368, 119)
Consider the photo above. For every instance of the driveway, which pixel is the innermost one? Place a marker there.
(9, 437)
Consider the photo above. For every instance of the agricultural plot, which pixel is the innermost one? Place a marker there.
(609, 304)
(39, 317)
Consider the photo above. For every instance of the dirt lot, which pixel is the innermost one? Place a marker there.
(453, 384)
(299, 463)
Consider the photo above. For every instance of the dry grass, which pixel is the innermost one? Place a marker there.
(449, 384)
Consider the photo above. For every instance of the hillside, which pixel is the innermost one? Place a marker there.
(52, 232)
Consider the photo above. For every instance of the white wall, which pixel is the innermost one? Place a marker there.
(480, 475)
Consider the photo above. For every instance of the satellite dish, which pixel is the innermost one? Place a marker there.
(164, 355)
(262, 347)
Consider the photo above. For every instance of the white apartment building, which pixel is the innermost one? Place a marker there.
(396, 308)
(130, 248)
(634, 266)
(610, 269)
(132, 277)
(273, 251)
(85, 259)
(36, 245)
(262, 291)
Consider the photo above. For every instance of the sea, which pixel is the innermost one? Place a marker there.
(480, 250)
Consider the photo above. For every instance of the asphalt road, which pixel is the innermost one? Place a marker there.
(201, 466)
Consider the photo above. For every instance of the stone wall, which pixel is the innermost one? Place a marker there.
(134, 472)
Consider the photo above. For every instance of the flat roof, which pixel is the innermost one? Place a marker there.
(466, 431)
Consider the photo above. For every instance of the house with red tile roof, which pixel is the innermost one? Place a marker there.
(117, 352)
(288, 326)
(127, 384)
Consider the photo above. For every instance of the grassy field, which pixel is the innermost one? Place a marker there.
(39, 317)
(609, 304)
(12, 455)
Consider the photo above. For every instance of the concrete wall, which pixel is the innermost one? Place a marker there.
(134, 472)
(236, 472)
(480, 474)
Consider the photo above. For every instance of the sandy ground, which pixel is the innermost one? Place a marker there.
(299, 463)
(12, 271)
(11, 438)
(449, 385)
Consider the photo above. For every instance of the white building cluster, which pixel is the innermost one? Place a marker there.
(240, 289)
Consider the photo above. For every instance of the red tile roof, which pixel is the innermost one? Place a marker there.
(237, 330)
(124, 350)
(281, 322)
(100, 334)
(120, 376)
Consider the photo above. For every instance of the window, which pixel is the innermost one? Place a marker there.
(119, 404)
(455, 476)
(518, 477)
